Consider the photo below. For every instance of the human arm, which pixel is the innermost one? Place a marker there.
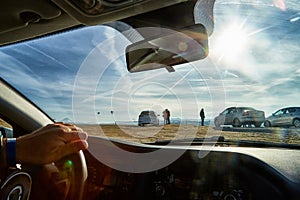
(48, 144)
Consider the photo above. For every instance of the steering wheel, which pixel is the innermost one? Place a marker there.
(73, 170)
(63, 180)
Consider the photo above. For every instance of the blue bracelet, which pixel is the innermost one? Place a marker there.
(11, 151)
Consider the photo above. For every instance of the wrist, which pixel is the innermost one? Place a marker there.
(11, 152)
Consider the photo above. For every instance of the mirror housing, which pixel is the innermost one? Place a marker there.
(167, 49)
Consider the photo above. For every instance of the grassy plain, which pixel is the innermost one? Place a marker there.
(150, 133)
(174, 131)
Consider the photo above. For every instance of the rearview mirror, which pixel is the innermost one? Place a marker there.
(168, 49)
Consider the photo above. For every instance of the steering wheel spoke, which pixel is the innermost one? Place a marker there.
(62, 180)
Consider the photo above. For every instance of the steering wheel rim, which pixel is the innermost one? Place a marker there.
(79, 174)
(64, 179)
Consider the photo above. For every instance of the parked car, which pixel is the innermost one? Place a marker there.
(289, 116)
(148, 117)
(238, 116)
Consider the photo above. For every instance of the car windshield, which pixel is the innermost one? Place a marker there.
(80, 76)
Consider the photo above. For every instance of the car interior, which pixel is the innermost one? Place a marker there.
(184, 168)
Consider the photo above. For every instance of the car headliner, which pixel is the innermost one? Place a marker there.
(29, 18)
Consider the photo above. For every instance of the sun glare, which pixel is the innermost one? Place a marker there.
(230, 43)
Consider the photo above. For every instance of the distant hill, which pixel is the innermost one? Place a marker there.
(67, 120)
(189, 121)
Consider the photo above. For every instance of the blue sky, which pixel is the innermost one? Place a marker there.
(82, 75)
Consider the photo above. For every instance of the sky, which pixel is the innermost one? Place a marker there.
(81, 76)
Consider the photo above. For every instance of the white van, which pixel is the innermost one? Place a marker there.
(148, 117)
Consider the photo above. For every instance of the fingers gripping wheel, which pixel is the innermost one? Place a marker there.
(63, 180)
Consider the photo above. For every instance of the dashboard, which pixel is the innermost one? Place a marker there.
(224, 173)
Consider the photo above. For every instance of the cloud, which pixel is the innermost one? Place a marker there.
(84, 73)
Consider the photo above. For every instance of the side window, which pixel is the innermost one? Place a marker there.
(4, 124)
(279, 112)
(5, 128)
(232, 110)
(291, 110)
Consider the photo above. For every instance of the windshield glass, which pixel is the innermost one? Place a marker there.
(81, 77)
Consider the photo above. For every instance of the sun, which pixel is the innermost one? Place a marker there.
(230, 43)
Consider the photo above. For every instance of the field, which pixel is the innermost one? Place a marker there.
(169, 132)
(174, 131)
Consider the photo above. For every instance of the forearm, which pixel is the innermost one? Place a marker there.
(43, 146)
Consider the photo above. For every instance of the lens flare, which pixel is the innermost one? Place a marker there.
(280, 4)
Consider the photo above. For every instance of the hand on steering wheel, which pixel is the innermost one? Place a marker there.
(60, 145)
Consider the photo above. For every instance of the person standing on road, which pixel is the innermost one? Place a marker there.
(202, 116)
(165, 116)
(168, 116)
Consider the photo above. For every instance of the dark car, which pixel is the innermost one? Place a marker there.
(238, 116)
(289, 116)
(148, 117)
